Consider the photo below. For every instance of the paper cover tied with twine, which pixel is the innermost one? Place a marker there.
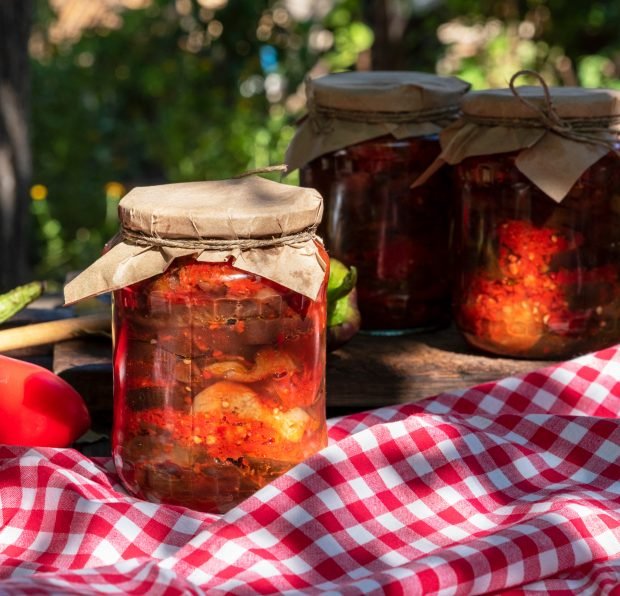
(559, 132)
(352, 107)
(267, 228)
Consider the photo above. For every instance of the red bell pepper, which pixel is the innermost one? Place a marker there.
(37, 407)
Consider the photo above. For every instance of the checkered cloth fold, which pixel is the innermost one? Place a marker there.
(509, 487)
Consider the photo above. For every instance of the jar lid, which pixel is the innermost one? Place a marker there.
(568, 102)
(257, 225)
(558, 132)
(247, 207)
(352, 107)
(389, 91)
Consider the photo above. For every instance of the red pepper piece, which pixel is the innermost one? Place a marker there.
(37, 407)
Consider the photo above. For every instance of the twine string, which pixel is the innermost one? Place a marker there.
(322, 118)
(376, 117)
(143, 239)
(546, 113)
(589, 125)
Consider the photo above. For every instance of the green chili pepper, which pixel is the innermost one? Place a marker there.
(343, 316)
(17, 298)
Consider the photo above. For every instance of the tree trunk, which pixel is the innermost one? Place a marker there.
(15, 155)
(405, 39)
(388, 24)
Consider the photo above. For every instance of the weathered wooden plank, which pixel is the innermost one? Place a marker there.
(86, 364)
(371, 372)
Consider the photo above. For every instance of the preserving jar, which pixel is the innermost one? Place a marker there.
(367, 137)
(538, 234)
(219, 356)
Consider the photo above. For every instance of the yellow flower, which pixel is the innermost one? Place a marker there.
(38, 192)
(114, 190)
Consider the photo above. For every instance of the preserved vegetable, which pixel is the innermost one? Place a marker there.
(539, 279)
(397, 237)
(220, 386)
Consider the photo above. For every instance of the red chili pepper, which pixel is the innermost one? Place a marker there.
(37, 407)
(524, 300)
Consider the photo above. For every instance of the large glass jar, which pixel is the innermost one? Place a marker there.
(538, 224)
(367, 137)
(219, 319)
(219, 384)
(538, 278)
(397, 237)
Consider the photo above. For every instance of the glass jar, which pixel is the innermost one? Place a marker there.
(367, 138)
(537, 278)
(219, 384)
(397, 237)
(219, 328)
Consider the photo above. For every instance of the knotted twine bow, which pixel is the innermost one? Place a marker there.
(583, 130)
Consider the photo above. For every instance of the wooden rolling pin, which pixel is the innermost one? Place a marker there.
(51, 332)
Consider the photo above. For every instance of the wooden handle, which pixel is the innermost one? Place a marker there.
(47, 333)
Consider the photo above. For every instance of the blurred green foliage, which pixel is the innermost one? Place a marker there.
(181, 90)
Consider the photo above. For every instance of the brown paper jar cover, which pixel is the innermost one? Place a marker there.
(266, 227)
(557, 141)
(351, 107)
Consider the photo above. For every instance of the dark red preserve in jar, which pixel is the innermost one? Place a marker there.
(367, 137)
(538, 233)
(219, 357)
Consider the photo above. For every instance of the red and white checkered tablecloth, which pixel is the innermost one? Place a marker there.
(509, 487)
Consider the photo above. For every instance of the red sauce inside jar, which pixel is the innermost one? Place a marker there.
(219, 384)
(538, 279)
(397, 237)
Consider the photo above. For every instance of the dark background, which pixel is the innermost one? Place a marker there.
(97, 96)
